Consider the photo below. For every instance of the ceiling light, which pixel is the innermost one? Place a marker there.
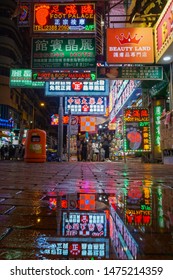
(167, 58)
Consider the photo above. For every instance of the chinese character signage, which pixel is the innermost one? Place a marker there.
(62, 18)
(63, 53)
(130, 45)
(80, 248)
(23, 78)
(157, 114)
(86, 224)
(55, 75)
(137, 130)
(80, 88)
(85, 105)
(138, 205)
(164, 31)
(130, 72)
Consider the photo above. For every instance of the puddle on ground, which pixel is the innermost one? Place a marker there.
(87, 211)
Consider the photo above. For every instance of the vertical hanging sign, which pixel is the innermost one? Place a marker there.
(137, 130)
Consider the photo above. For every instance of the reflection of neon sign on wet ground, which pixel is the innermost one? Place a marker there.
(138, 205)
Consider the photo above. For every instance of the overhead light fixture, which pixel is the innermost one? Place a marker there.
(167, 58)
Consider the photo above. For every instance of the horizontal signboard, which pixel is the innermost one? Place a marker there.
(63, 53)
(23, 78)
(62, 18)
(80, 88)
(85, 105)
(130, 45)
(130, 72)
(66, 74)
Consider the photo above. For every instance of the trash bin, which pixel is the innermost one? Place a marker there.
(35, 146)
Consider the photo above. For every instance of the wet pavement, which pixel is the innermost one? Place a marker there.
(86, 210)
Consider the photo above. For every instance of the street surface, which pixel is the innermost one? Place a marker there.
(43, 214)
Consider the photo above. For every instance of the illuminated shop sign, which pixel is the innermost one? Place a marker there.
(138, 205)
(164, 31)
(63, 53)
(25, 15)
(84, 224)
(130, 72)
(62, 18)
(66, 88)
(123, 243)
(88, 124)
(137, 130)
(23, 78)
(54, 75)
(6, 123)
(55, 119)
(157, 114)
(130, 45)
(85, 105)
(124, 91)
(81, 248)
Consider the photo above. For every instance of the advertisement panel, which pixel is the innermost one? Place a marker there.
(24, 17)
(137, 130)
(63, 53)
(63, 74)
(87, 124)
(62, 18)
(164, 31)
(130, 72)
(85, 105)
(23, 78)
(80, 88)
(130, 45)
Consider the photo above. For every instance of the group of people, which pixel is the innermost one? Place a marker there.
(11, 152)
(93, 149)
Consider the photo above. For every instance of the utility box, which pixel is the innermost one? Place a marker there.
(35, 146)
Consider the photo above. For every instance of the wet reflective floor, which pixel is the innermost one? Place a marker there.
(86, 210)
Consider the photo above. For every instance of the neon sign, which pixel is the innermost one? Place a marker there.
(23, 78)
(60, 18)
(73, 88)
(85, 105)
(63, 53)
(137, 130)
(157, 114)
(55, 75)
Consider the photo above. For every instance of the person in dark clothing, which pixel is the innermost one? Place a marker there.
(84, 145)
(106, 147)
